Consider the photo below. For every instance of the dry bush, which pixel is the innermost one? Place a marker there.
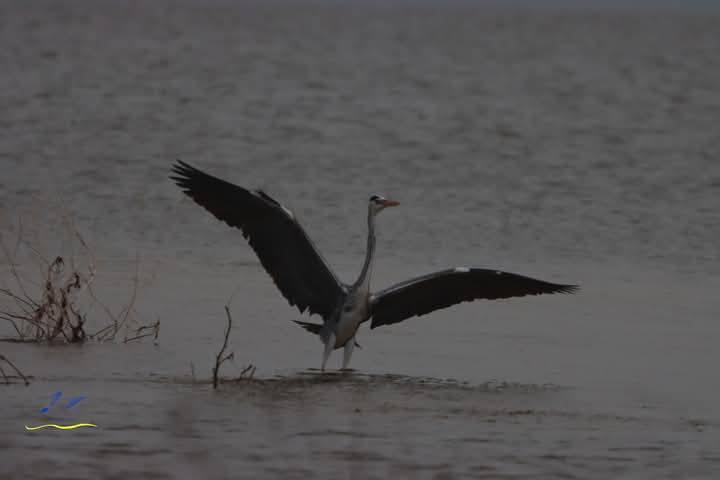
(47, 311)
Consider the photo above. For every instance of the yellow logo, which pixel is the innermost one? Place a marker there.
(71, 403)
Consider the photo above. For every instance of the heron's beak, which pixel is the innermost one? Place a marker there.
(390, 203)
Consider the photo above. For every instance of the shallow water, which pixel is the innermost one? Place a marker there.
(576, 146)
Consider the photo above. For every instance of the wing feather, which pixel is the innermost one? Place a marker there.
(284, 249)
(442, 289)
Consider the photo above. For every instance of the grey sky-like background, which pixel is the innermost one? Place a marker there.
(714, 4)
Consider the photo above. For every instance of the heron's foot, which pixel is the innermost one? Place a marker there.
(347, 370)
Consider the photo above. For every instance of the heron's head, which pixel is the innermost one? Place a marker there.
(378, 203)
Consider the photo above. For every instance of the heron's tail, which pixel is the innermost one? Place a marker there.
(310, 327)
(315, 328)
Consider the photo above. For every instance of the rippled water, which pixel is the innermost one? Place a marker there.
(578, 146)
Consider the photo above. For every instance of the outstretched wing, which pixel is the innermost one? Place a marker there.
(284, 250)
(434, 291)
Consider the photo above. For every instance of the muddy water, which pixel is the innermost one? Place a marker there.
(576, 146)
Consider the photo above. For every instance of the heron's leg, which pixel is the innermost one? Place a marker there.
(349, 345)
(329, 344)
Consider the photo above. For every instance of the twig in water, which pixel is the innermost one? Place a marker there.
(220, 359)
(110, 331)
(126, 311)
(155, 327)
(250, 368)
(3, 358)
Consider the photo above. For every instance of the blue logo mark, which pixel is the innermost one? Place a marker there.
(71, 403)
(56, 396)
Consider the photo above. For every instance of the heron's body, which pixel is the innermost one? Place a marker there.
(352, 314)
(341, 333)
(306, 280)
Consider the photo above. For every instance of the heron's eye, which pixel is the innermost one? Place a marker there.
(374, 198)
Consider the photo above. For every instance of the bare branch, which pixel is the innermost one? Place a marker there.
(136, 281)
(155, 332)
(220, 359)
(250, 368)
(17, 370)
(51, 313)
(12, 322)
(13, 270)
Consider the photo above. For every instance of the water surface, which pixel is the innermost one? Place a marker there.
(576, 146)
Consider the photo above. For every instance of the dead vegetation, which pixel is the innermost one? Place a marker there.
(246, 374)
(47, 309)
(7, 378)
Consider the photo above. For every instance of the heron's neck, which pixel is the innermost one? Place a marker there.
(363, 281)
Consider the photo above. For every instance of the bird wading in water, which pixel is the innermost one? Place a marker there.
(306, 280)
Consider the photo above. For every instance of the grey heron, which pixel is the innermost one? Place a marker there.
(306, 280)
